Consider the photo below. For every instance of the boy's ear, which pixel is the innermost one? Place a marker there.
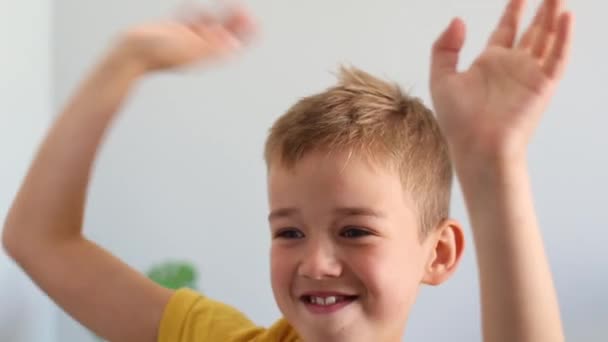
(447, 245)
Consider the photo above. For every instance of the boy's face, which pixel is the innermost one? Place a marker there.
(346, 258)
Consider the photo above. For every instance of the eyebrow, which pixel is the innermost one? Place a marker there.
(341, 211)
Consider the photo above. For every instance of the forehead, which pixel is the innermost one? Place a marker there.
(338, 179)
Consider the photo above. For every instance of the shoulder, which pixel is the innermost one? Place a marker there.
(191, 316)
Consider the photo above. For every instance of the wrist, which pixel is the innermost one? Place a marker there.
(494, 171)
(488, 158)
(124, 61)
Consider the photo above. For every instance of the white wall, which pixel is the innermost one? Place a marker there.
(181, 174)
(26, 315)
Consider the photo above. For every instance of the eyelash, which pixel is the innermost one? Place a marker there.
(290, 232)
(283, 234)
(360, 233)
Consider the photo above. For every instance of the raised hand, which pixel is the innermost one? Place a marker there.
(492, 109)
(104, 294)
(183, 42)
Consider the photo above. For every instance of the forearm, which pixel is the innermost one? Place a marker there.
(50, 203)
(518, 298)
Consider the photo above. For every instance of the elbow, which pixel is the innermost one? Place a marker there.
(8, 241)
(23, 239)
(12, 239)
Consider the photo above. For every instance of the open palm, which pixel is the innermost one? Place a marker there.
(494, 106)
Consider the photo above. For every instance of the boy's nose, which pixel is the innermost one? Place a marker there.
(319, 261)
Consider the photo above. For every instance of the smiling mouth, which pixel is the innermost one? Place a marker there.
(326, 304)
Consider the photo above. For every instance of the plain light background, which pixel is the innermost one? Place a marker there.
(26, 315)
(181, 175)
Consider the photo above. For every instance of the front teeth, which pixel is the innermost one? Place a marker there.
(321, 301)
(330, 300)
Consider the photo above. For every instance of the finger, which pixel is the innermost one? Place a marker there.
(201, 20)
(529, 36)
(446, 50)
(557, 58)
(220, 40)
(546, 33)
(506, 31)
(240, 22)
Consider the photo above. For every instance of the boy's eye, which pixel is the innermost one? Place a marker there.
(354, 233)
(289, 234)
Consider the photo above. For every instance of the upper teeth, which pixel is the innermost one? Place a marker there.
(323, 301)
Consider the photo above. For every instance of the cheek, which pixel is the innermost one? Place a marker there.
(281, 270)
(391, 276)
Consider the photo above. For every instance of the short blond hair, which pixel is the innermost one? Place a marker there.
(365, 115)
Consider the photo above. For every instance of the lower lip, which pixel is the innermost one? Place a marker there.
(327, 309)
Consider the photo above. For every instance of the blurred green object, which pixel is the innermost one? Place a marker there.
(174, 275)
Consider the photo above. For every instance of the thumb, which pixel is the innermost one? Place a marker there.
(446, 50)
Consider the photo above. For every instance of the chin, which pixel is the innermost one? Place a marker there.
(342, 322)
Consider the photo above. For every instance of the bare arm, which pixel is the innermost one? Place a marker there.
(43, 230)
(488, 114)
(518, 298)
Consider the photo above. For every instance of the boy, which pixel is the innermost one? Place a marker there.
(358, 180)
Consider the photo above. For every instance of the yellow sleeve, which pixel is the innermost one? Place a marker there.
(191, 317)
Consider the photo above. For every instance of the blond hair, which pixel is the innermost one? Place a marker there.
(365, 115)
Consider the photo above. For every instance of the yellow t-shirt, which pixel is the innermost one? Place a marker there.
(191, 317)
